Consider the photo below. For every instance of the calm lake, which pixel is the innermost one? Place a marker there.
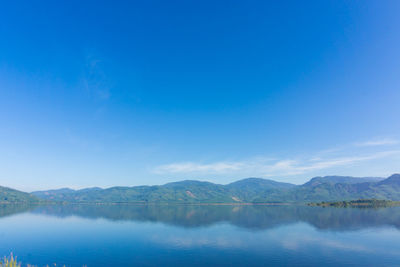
(199, 235)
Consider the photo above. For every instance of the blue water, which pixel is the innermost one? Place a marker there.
(168, 235)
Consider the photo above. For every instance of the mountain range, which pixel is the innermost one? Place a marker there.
(249, 190)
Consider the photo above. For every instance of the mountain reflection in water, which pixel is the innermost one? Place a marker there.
(253, 217)
(200, 235)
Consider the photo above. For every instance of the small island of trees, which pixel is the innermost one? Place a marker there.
(367, 203)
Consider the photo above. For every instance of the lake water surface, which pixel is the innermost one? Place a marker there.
(200, 235)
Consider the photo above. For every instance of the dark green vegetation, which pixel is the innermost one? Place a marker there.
(250, 190)
(8, 195)
(360, 203)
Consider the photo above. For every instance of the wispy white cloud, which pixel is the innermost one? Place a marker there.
(378, 142)
(268, 167)
(292, 167)
(95, 80)
(186, 167)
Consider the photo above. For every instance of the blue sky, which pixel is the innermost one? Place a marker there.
(106, 93)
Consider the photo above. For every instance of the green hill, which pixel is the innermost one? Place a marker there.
(8, 195)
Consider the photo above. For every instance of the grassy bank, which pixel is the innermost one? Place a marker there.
(9, 262)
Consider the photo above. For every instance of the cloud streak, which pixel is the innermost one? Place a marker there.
(268, 167)
(186, 167)
(292, 167)
(378, 142)
(95, 80)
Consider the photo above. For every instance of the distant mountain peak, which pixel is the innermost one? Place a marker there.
(260, 182)
(188, 182)
(393, 179)
(394, 176)
(89, 189)
(335, 179)
(60, 190)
